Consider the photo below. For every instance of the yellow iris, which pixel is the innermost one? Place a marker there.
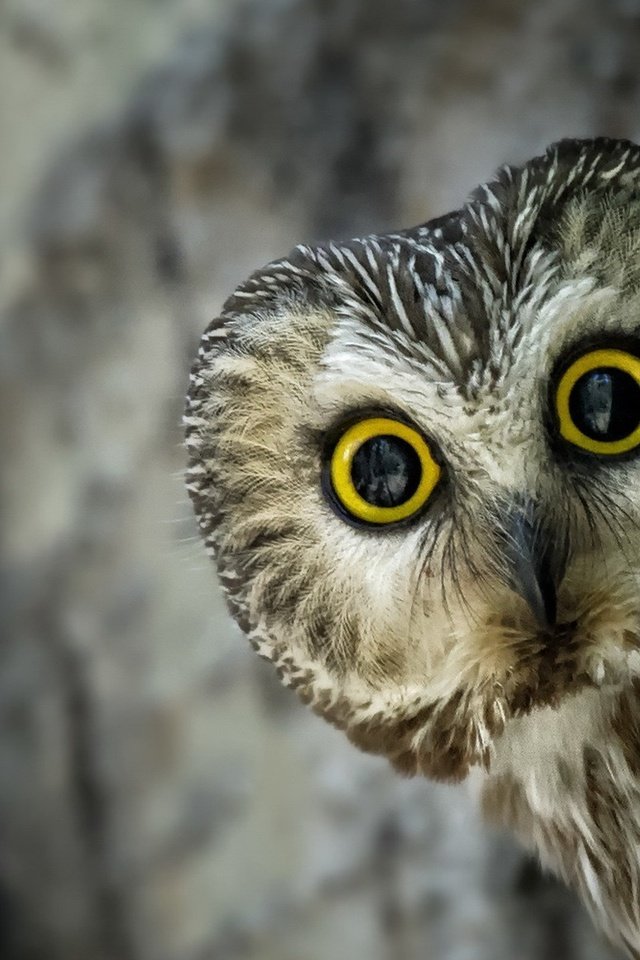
(589, 362)
(342, 462)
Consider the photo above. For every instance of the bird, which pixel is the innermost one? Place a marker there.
(415, 460)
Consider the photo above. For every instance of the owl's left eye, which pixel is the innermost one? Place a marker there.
(598, 402)
(382, 471)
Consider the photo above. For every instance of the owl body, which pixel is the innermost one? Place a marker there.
(414, 458)
(565, 781)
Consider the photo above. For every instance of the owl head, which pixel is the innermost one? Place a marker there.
(415, 460)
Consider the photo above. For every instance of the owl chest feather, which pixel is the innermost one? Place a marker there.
(567, 782)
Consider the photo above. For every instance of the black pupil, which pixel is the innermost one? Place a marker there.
(386, 471)
(605, 404)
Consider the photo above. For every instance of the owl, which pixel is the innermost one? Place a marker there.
(415, 458)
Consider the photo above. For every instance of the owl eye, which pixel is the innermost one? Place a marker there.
(382, 471)
(598, 402)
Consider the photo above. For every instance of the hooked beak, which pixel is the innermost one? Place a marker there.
(535, 560)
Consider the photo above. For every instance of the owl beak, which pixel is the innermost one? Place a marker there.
(534, 559)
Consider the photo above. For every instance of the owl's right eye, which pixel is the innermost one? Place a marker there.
(382, 471)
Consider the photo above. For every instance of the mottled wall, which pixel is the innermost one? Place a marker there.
(161, 798)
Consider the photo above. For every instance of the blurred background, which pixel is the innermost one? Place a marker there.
(161, 797)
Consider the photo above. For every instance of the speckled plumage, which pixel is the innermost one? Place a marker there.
(411, 639)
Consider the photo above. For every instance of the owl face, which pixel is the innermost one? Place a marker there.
(416, 460)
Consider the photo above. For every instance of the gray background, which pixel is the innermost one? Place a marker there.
(161, 798)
